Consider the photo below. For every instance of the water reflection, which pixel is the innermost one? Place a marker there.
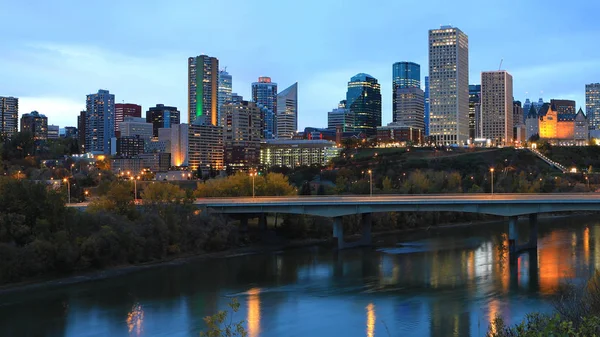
(371, 318)
(253, 318)
(443, 282)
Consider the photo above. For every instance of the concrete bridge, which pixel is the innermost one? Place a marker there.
(509, 205)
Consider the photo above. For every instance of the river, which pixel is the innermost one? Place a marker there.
(440, 282)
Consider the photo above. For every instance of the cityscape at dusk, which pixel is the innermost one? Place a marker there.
(275, 168)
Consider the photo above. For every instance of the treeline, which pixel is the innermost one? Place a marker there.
(39, 236)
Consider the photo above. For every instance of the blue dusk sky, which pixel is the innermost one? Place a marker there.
(53, 53)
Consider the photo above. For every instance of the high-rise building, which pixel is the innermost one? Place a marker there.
(474, 109)
(130, 146)
(36, 124)
(538, 105)
(526, 107)
(287, 112)
(404, 75)
(410, 107)
(564, 107)
(123, 110)
(497, 106)
(136, 127)
(517, 113)
(426, 131)
(99, 122)
(264, 94)
(205, 151)
(53, 132)
(81, 130)
(363, 99)
(340, 117)
(9, 116)
(448, 86)
(203, 89)
(162, 116)
(71, 131)
(592, 105)
(241, 135)
(225, 87)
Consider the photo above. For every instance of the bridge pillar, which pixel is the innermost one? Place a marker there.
(244, 223)
(533, 231)
(338, 232)
(513, 237)
(367, 220)
(262, 222)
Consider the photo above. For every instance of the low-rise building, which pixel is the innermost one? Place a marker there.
(130, 146)
(399, 133)
(292, 153)
(53, 132)
(156, 162)
(133, 166)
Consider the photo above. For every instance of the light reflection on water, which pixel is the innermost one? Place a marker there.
(444, 282)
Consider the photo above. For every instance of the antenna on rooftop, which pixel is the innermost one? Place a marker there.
(500, 67)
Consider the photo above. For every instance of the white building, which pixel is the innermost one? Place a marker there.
(293, 153)
(448, 86)
(287, 112)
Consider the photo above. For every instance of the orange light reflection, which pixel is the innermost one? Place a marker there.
(371, 320)
(253, 312)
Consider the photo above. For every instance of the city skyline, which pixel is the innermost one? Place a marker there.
(151, 69)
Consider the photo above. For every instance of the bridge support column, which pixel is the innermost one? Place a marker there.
(367, 220)
(338, 232)
(533, 231)
(243, 223)
(513, 237)
(262, 222)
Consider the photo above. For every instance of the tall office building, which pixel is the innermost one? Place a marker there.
(241, 135)
(162, 116)
(36, 124)
(287, 112)
(426, 131)
(410, 107)
(123, 110)
(448, 85)
(205, 151)
(99, 122)
(526, 107)
(363, 99)
(592, 105)
(564, 107)
(497, 106)
(9, 116)
(225, 87)
(203, 89)
(404, 75)
(474, 110)
(264, 94)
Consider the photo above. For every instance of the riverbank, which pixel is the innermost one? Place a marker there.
(258, 248)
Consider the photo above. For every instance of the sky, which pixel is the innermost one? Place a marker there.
(53, 53)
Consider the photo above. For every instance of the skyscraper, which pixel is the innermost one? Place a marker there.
(448, 86)
(123, 110)
(474, 110)
(9, 116)
(241, 135)
(363, 99)
(287, 112)
(538, 105)
(225, 87)
(264, 94)
(99, 122)
(404, 75)
(162, 116)
(426, 132)
(203, 87)
(36, 124)
(526, 107)
(592, 105)
(409, 109)
(497, 106)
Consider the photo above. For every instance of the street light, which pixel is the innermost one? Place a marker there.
(371, 181)
(68, 190)
(135, 179)
(19, 175)
(253, 175)
(492, 172)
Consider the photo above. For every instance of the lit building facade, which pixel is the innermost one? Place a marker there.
(162, 116)
(399, 133)
(448, 86)
(36, 124)
(409, 107)
(340, 117)
(592, 105)
(135, 126)
(497, 106)
(293, 153)
(53, 131)
(287, 112)
(122, 165)
(123, 110)
(178, 139)
(205, 151)
(426, 106)
(555, 127)
(99, 122)
(404, 75)
(9, 116)
(203, 89)
(156, 162)
(264, 94)
(474, 110)
(564, 107)
(225, 90)
(363, 99)
(241, 135)
(130, 146)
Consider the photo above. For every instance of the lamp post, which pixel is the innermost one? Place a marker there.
(371, 182)
(253, 175)
(492, 173)
(19, 175)
(68, 190)
(135, 179)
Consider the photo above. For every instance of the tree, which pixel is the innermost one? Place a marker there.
(305, 189)
(387, 185)
(160, 193)
(118, 199)
(221, 325)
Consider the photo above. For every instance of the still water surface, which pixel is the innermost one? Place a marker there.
(443, 282)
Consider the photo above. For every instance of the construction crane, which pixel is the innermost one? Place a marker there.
(500, 67)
